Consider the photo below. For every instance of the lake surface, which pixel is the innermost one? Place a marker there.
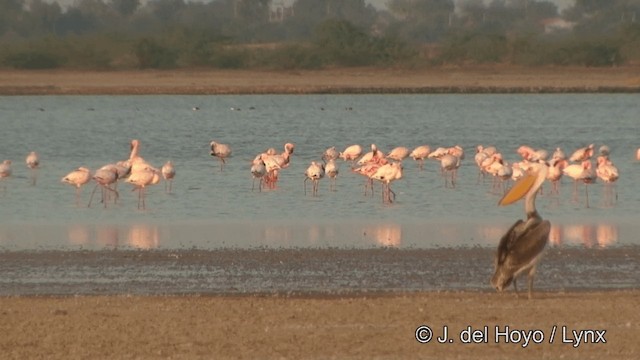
(213, 210)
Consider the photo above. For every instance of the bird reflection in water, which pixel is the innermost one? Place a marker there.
(144, 236)
(107, 236)
(587, 235)
(388, 235)
(78, 234)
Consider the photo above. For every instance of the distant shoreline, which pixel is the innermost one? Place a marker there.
(451, 80)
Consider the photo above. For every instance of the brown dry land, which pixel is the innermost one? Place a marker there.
(367, 80)
(355, 327)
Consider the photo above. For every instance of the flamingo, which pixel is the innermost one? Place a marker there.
(449, 164)
(581, 172)
(372, 156)
(141, 179)
(332, 169)
(5, 172)
(33, 161)
(419, 154)
(221, 151)
(558, 154)
(367, 170)
(520, 248)
(274, 162)
(582, 154)
(258, 171)
(609, 174)
(104, 177)
(386, 174)
(351, 153)
(438, 153)
(78, 178)
(168, 173)
(554, 173)
(399, 153)
(314, 172)
(330, 154)
(638, 154)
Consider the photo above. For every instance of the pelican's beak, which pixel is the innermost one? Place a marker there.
(519, 189)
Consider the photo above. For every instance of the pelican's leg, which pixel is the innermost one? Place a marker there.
(515, 287)
(532, 273)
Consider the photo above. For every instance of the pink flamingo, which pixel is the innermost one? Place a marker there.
(258, 171)
(351, 153)
(609, 174)
(5, 172)
(104, 177)
(275, 162)
(33, 161)
(399, 153)
(168, 173)
(78, 178)
(141, 179)
(330, 154)
(419, 154)
(387, 174)
(221, 151)
(581, 172)
(314, 172)
(372, 156)
(449, 164)
(332, 169)
(554, 173)
(582, 154)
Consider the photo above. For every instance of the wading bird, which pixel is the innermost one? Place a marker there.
(33, 161)
(78, 178)
(221, 151)
(168, 173)
(520, 248)
(314, 172)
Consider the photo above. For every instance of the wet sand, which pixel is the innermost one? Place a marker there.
(325, 327)
(489, 79)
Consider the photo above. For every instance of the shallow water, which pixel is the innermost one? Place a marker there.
(211, 209)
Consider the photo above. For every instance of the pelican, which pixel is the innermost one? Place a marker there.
(520, 248)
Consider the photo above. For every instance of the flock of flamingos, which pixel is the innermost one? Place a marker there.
(373, 165)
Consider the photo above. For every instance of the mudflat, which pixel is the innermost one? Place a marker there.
(479, 325)
(489, 79)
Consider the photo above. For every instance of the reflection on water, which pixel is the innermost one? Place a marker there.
(587, 235)
(344, 235)
(143, 236)
(388, 235)
(79, 235)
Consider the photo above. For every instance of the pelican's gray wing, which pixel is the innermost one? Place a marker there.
(523, 243)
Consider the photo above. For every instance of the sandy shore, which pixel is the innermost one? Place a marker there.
(356, 327)
(367, 80)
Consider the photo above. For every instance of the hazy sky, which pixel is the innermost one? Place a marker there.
(562, 4)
